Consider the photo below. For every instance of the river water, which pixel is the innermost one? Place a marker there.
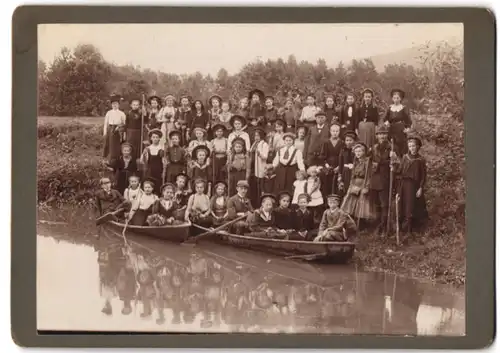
(90, 284)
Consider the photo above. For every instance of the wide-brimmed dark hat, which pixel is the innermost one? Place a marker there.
(199, 148)
(368, 90)
(166, 185)
(360, 144)
(189, 98)
(238, 140)
(115, 98)
(261, 132)
(155, 131)
(303, 127)
(351, 133)
(200, 129)
(134, 98)
(174, 132)
(219, 126)
(154, 97)
(214, 96)
(289, 134)
(238, 117)
(184, 175)
(320, 113)
(256, 91)
(417, 139)
(398, 90)
(382, 129)
(284, 193)
(220, 183)
(149, 180)
(267, 196)
(280, 121)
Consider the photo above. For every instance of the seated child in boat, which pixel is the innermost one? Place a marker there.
(304, 220)
(163, 211)
(198, 207)
(107, 199)
(134, 191)
(141, 209)
(336, 224)
(283, 214)
(262, 221)
(182, 193)
(218, 204)
(239, 205)
(313, 188)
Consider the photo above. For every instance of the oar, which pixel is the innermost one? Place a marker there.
(123, 233)
(307, 257)
(107, 216)
(212, 231)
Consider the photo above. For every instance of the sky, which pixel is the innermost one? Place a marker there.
(187, 48)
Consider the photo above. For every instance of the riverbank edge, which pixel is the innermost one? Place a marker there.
(70, 165)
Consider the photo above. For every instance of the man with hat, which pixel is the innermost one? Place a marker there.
(114, 127)
(239, 205)
(336, 224)
(318, 134)
(383, 155)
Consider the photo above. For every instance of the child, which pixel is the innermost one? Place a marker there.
(270, 113)
(199, 166)
(199, 118)
(349, 115)
(218, 204)
(286, 162)
(412, 174)
(268, 180)
(133, 122)
(368, 119)
(317, 136)
(184, 116)
(182, 193)
(238, 164)
(336, 224)
(357, 202)
(153, 158)
(175, 157)
(152, 116)
(276, 139)
(346, 160)
(304, 219)
(198, 207)
(299, 185)
(398, 120)
(259, 152)
(141, 209)
(123, 167)
(289, 115)
(313, 189)
(163, 210)
(301, 138)
(330, 111)
(226, 115)
(256, 110)
(382, 157)
(200, 140)
(114, 126)
(219, 153)
(308, 116)
(237, 122)
(134, 191)
(243, 108)
(167, 117)
(107, 200)
(262, 221)
(330, 154)
(283, 215)
(214, 103)
(239, 205)
(251, 128)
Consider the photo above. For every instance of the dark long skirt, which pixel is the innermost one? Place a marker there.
(396, 132)
(367, 133)
(112, 144)
(412, 209)
(329, 184)
(174, 169)
(134, 138)
(155, 171)
(219, 169)
(285, 176)
(121, 180)
(234, 177)
(256, 189)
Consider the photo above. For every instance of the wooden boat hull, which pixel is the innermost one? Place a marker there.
(331, 252)
(173, 233)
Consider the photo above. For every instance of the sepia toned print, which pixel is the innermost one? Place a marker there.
(204, 183)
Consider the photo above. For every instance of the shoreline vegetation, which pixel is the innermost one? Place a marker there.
(70, 165)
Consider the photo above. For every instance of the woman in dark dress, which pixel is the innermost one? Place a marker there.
(412, 173)
(175, 157)
(199, 118)
(124, 167)
(398, 120)
(151, 118)
(330, 153)
(218, 204)
(153, 158)
(330, 111)
(133, 125)
(183, 117)
(349, 115)
(346, 161)
(368, 119)
(256, 109)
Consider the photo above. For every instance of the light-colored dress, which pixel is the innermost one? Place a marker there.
(300, 144)
(166, 117)
(299, 187)
(316, 196)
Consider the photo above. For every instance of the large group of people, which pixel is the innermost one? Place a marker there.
(310, 172)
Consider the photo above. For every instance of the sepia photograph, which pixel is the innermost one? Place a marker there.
(256, 178)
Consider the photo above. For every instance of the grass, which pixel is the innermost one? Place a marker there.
(70, 164)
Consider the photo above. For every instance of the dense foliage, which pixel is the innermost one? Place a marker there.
(79, 82)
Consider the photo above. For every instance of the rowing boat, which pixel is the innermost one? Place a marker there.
(332, 252)
(174, 233)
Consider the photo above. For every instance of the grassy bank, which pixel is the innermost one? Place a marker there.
(70, 164)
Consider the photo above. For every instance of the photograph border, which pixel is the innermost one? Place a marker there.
(480, 93)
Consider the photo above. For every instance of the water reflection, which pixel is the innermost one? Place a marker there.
(152, 286)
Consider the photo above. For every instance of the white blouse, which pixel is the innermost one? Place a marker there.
(298, 159)
(241, 134)
(113, 117)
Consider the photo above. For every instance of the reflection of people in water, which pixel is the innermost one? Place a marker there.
(406, 297)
